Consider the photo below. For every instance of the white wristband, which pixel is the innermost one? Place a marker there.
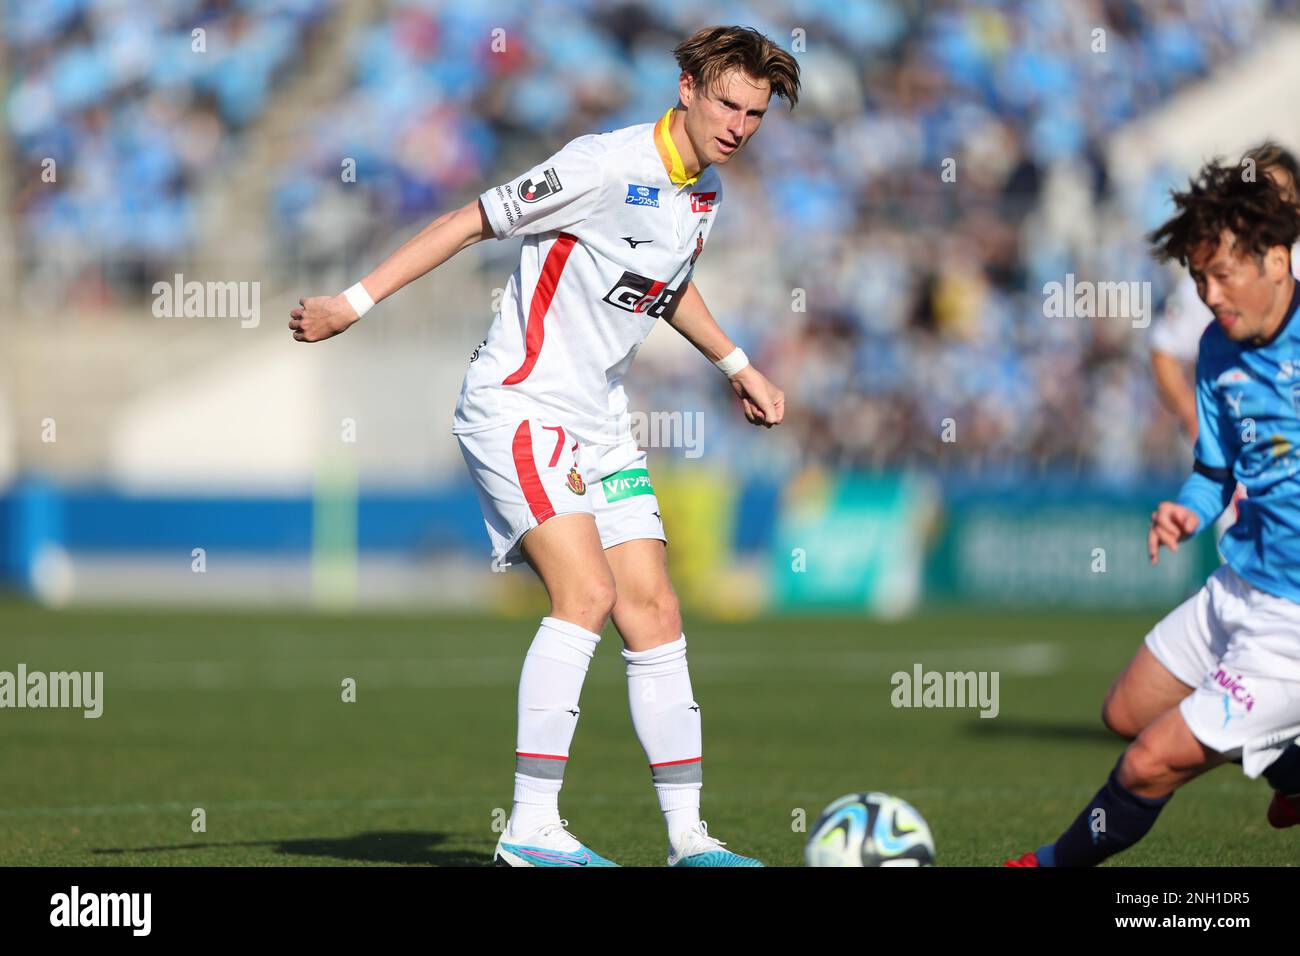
(359, 299)
(733, 363)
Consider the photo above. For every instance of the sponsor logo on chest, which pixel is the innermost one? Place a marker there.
(642, 195)
(703, 202)
(636, 293)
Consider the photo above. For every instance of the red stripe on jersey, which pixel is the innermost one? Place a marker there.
(535, 331)
(520, 753)
(671, 763)
(529, 480)
(650, 297)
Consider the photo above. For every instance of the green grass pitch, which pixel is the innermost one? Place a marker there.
(241, 714)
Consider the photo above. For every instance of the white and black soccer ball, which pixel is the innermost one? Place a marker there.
(870, 829)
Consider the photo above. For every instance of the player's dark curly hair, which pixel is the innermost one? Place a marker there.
(710, 52)
(1241, 199)
(1270, 154)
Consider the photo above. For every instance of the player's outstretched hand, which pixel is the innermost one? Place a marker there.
(1170, 523)
(321, 317)
(763, 402)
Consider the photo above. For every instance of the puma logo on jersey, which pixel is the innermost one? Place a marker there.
(635, 242)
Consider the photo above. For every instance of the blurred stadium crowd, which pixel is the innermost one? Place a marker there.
(921, 296)
(134, 120)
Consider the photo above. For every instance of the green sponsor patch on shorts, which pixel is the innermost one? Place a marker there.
(627, 484)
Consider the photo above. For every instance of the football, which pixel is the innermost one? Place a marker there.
(870, 829)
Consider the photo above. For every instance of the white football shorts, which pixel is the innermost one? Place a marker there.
(534, 469)
(1240, 648)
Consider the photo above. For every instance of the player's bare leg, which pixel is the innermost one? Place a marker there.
(565, 552)
(664, 712)
(1146, 688)
(1164, 756)
(1143, 691)
(646, 611)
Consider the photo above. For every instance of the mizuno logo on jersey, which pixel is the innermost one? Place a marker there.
(702, 202)
(635, 242)
(642, 195)
(531, 191)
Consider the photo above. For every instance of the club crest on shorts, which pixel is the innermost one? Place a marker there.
(576, 484)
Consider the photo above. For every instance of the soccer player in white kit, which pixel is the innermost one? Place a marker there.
(1171, 660)
(612, 226)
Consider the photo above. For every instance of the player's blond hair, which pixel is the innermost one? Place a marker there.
(709, 53)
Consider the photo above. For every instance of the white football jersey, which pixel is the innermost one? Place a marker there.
(612, 229)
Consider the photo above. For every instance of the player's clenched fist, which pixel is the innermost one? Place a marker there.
(1170, 523)
(321, 317)
(763, 402)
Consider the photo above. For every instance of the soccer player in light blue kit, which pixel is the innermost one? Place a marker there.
(1235, 235)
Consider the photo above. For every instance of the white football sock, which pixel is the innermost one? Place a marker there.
(549, 687)
(667, 722)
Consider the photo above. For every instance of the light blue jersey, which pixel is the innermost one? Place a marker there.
(1248, 407)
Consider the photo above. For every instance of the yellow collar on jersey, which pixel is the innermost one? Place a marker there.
(672, 159)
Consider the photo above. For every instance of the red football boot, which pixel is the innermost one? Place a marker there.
(1031, 859)
(1284, 811)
